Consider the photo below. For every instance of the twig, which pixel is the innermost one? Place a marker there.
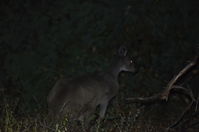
(158, 97)
(197, 102)
(185, 91)
(190, 118)
(182, 116)
(145, 100)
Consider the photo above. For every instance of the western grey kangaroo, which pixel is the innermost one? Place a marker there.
(79, 97)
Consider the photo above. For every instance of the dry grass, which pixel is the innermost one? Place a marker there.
(119, 118)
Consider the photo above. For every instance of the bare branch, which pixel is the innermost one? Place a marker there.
(145, 100)
(191, 118)
(164, 95)
(185, 91)
(197, 102)
(158, 96)
(166, 92)
(172, 87)
(182, 115)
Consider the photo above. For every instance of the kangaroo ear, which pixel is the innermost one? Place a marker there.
(122, 51)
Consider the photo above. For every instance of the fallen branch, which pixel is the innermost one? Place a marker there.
(185, 91)
(165, 93)
(145, 100)
(188, 108)
(158, 97)
(171, 85)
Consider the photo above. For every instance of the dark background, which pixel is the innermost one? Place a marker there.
(41, 41)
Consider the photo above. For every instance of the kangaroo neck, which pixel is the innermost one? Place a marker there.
(114, 71)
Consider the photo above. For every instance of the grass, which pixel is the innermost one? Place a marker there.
(120, 117)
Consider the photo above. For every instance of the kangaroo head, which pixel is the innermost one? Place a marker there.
(125, 62)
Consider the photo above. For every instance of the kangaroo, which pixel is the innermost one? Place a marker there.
(80, 96)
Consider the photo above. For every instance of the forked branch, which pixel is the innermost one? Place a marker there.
(165, 93)
(171, 86)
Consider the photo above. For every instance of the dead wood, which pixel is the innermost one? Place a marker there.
(165, 93)
(171, 86)
(187, 109)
